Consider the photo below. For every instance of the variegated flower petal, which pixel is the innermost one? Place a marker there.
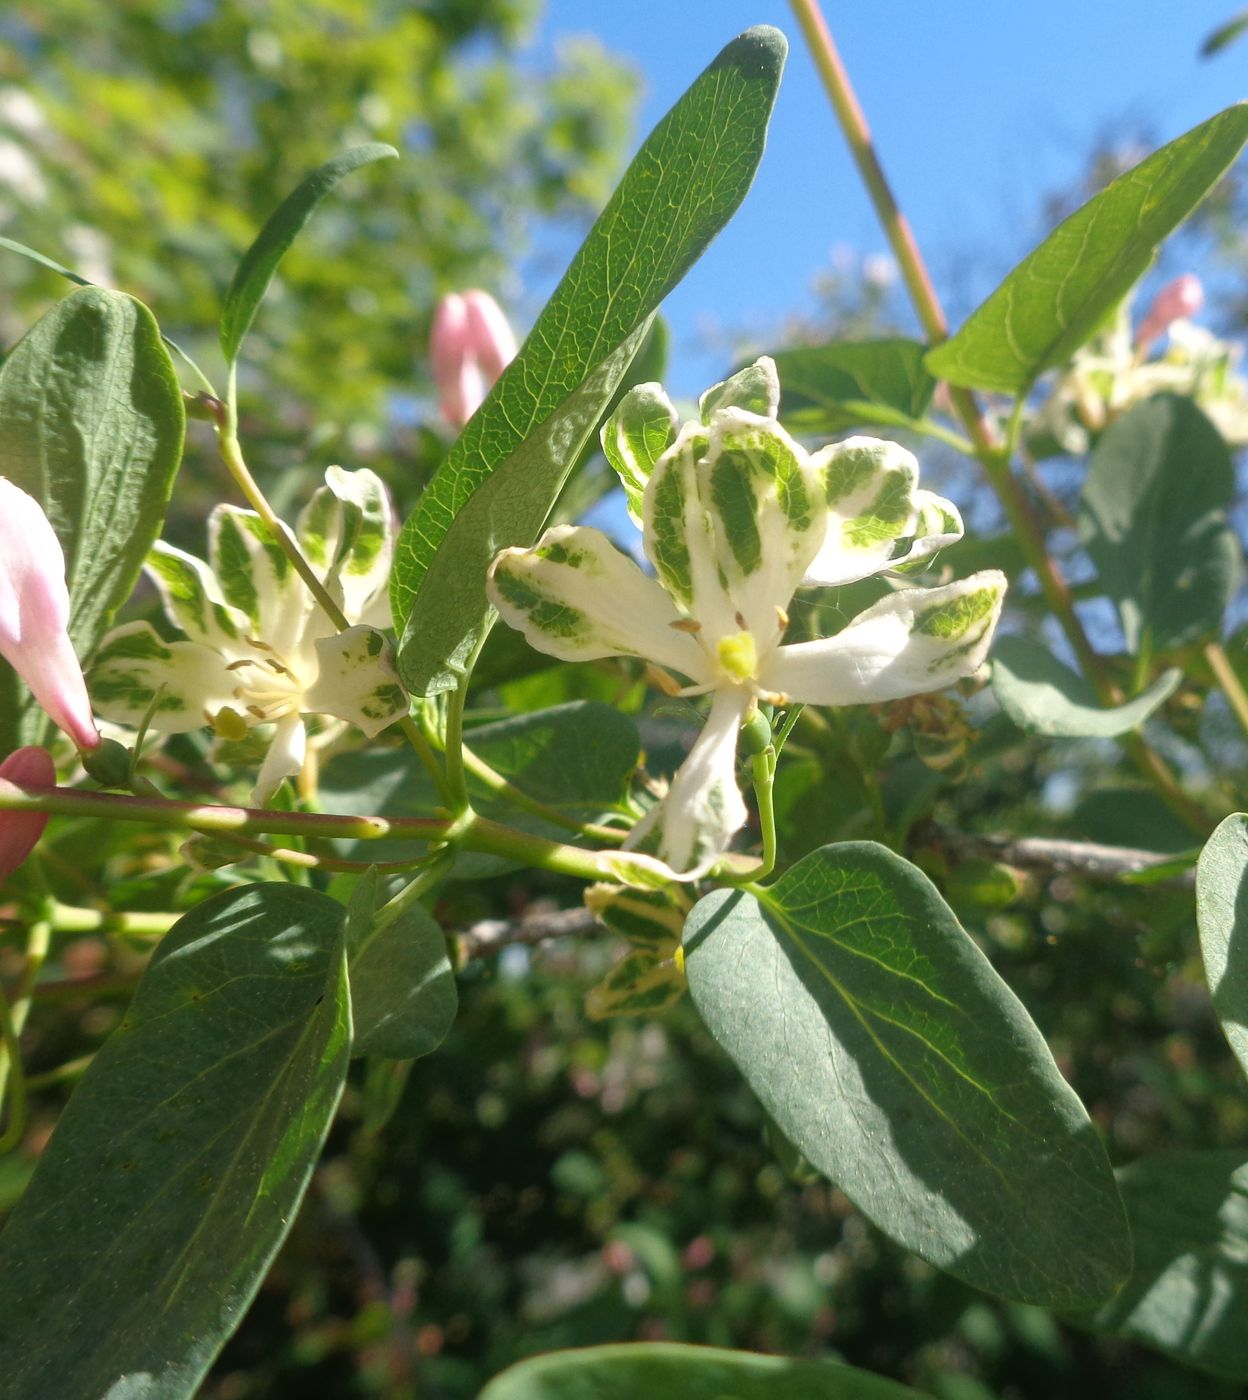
(939, 525)
(870, 486)
(287, 751)
(346, 532)
(917, 640)
(356, 681)
(703, 808)
(756, 389)
(575, 596)
(768, 515)
(635, 436)
(256, 576)
(133, 663)
(192, 599)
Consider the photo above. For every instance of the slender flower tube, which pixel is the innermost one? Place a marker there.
(469, 347)
(34, 615)
(20, 831)
(1177, 301)
(735, 516)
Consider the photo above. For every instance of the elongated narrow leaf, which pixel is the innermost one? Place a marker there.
(848, 384)
(498, 483)
(1222, 917)
(260, 261)
(1044, 696)
(91, 425)
(43, 260)
(893, 1057)
(1153, 517)
(667, 1371)
(403, 993)
(1225, 34)
(177, 1168)
(1057, 296)
(1188, 1292)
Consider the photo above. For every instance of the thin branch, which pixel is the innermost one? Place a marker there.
(488, 936)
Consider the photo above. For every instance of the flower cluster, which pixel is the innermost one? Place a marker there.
(1113, 372)
(258, 648)
(735, 516)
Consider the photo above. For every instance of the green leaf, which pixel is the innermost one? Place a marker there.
(847, 383)
(1222, 918)
(893, 1057)
(259, 263)
(668, 1371)
(44, 261)
(1153, 518)
(1055, 299)
(1188, 1293)
(177, 1168)
(403, 993)
(1225, 34)
(91, 425)
(496, 486)
(1043, 696)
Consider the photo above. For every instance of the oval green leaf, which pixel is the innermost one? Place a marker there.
(1188, 1293)
(1222, 918)
(849, 384)
(892, 1056)
(91, 425)
(176, 1170)
(669, 1371)
(1058, 295)
(1153, 518)
(498, 483)
(260, 261)
(1044, 696)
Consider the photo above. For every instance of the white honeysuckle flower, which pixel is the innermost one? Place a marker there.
(258, 647)
(736, 515)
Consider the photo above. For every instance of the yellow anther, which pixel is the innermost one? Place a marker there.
(738, 655)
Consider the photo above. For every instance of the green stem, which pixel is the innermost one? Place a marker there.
(1224, 674)
(12, 1022)
(68, 918)
(456, 778)
(497, 784)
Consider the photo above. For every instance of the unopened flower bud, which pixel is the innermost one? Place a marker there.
(470, 345)
(34, 615)
(20, 831)
(109, 765)
(1176, 301)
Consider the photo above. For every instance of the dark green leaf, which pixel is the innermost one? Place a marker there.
(1225, 34)
(667, 1371)
(403, 994)
(177, 1167)
(893, 1057)
(91, 425)
(1153, 517)
(1188, 1293)
(828, 388)
(497, 485)
(1055, 299)
(259, 263)
(1222, 917)
(1044, 696)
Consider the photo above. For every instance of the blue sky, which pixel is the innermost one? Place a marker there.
(979, 109)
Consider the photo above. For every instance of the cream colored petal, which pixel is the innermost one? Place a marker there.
(356, 681)
(284, 759)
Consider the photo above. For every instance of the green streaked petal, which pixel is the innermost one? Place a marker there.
(871, 489)
(636, 435)
(192, 598)
(356, 681)
(939, 525)
(575, 596)
(651, 920)
(256, 576)
(347, 532)
(906, 644)
(133, 663)
(755, 389)
(669, 502)
(640, 984)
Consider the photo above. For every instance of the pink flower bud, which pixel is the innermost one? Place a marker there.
(34, 613)
(19, 831)
(469, 346)
(1177, 300)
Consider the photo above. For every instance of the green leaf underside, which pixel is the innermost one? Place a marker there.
(897, 1062)
(91, 425)
(828, 388)
(498, 483)
(1043, 696)
(260, 262)
(670, 1371)
(1055, 299)
(176, 1170)
(1188, 1291)
(403, 993)
(1153, 517)
(1222, 918)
